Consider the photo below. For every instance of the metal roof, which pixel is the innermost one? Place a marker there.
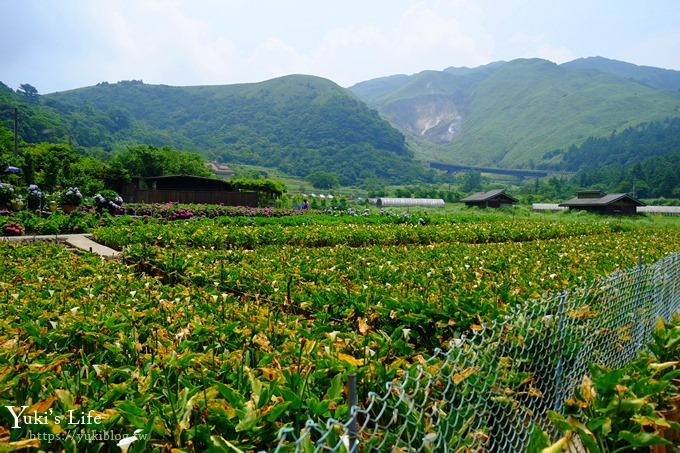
(547, 207)
(170, 177)
(485, 196)
(660, 209)
(404, 202)
(602, 201)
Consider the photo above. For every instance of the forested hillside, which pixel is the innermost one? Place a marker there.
(653, 177)
(298, 124)
(644, 160)
(628, 146)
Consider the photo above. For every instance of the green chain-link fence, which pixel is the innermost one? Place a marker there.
(489, 389)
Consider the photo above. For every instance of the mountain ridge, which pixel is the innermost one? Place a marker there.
(510, 114)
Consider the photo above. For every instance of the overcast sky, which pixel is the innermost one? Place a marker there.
(57, 45)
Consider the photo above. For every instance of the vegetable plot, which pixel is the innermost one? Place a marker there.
(200, 343)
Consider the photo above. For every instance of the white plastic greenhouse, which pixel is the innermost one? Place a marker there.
(408, 202)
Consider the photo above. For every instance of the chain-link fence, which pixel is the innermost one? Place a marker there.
(488, 391)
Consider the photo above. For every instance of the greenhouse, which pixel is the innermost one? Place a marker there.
(409, 202)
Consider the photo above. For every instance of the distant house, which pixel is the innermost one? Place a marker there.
(221, 170)
(186, 189)
(492, 199)
(602, 203)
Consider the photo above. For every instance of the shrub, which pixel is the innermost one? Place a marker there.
(109, 200)
(12, 229)
(71, 196)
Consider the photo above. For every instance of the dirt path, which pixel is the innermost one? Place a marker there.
(79, 241)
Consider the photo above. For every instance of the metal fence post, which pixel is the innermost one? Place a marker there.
(638, 306)
(560, 355)
(352, 402)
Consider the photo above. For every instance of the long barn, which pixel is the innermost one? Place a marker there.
(409, 202)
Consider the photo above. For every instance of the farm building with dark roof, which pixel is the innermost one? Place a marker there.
(492, 199)
(602, 203)
(187, 189)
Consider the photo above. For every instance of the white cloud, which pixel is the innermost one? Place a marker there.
(427, 35)
(274, 58)
(71, 43)
(442, 27)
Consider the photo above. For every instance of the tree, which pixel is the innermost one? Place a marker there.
(323, 180)
(473, 181)
(148, 160)
(49, 165)
(374, 186)
(28, 90)
(92, 175)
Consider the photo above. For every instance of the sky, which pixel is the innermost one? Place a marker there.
(57, 45)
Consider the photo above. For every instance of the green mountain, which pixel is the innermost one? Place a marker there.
(526, 113)
(512, 114)
(298, 124)
(665, 79)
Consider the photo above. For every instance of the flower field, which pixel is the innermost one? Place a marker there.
(214, 334)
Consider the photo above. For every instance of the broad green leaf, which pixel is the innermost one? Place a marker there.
(336, 388)
(224, 445)
(559, 421)
(643, 439)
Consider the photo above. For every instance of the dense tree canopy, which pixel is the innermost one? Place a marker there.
(323, 180)
(657, 176)
(629, 146)
(148, 160)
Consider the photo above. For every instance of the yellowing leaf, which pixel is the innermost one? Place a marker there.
(269, 373)
(66, 398)
(42, 406)
(651, 421)
(26, 443)
(587, 389)
(262, 341)
(460, 377)
(56, 428)
(659, 325)
(349, 359)
(557, 447)
(363, 326)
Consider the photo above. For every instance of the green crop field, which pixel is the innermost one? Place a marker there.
(215, 333)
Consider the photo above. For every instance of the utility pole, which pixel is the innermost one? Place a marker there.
(16, 132)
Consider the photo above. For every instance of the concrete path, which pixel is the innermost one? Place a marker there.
(79, 241)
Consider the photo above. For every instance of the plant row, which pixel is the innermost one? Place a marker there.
(436, 291)
(210, 234)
